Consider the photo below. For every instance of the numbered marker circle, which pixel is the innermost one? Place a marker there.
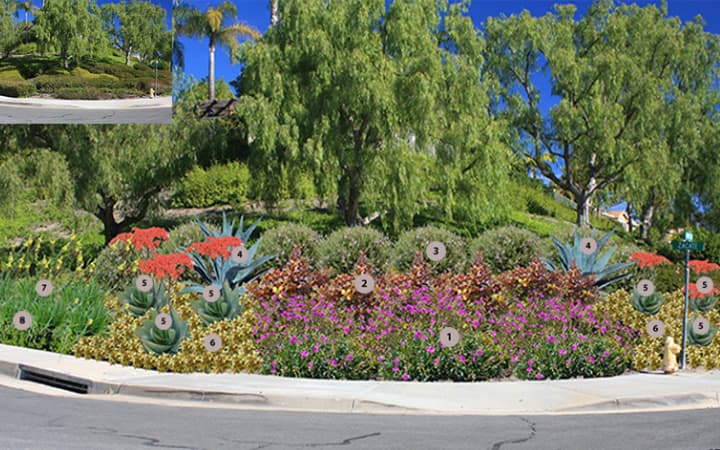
(704, 285)
(240, 254)
(588, 246)
(645, 288)
(449, 337)
(211, 294)
(212, 342)
(655, 328)
(701, 326)
(435, 251)
(364, 283)
(44, 288)
(22, 320)
(163, 321)
(144, 283)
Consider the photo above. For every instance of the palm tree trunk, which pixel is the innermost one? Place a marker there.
(274, 13)
(211, 72)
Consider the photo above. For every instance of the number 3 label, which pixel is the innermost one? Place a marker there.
(435, 251)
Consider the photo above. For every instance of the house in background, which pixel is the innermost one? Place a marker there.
(620, 217)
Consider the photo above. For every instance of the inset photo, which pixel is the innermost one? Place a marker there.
(85, 61)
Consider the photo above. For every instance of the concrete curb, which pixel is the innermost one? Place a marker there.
(582, 396)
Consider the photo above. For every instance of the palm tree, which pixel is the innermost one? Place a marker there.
(194, 23)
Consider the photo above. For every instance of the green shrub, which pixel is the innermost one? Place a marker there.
(281, 240)
(17, 89)
(180, 237)
(507, 247)
(341, 249)
(71, 311)
(116, 266)
(219, 185)
(411, 241)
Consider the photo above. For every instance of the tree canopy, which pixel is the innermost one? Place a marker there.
(136, 27)
(615, 70)
(71, 27)
(381, 103)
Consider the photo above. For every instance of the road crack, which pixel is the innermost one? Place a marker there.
(498, 445)
(147, 440)
(347, 441)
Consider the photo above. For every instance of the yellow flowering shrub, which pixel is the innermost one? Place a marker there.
(648, 353)
(120, 345)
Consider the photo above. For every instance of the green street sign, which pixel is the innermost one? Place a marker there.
(685, 245)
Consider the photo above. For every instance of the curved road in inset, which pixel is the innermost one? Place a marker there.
(32, 420)
(53, 111)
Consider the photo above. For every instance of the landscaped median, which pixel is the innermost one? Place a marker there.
(213, 305)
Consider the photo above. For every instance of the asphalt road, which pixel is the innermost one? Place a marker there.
(59, 113)
(30, 420)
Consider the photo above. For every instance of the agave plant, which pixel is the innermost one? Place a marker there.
(139, 302)
(703, 304)
(227, 275)
(226, 307)
(589, 264)
(702, 340)
(650, 304)
(157, 341)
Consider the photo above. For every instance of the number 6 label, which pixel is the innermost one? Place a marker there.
(212, 343)
(655, 328)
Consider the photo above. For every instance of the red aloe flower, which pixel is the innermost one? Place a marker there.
(648, 259)
(215, 247)
(704, 266)
(172, 265)
(142, 238)
(694, 293)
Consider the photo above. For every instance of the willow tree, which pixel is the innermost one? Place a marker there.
(611, 70)
(117, 171)
(135, 27)
(72, 27)
(360, 94)
(212, 24)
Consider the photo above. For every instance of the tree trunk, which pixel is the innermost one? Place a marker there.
(628, 211)
(582, 209)
(211, 73)
(127, 56)
(648, 212)
(274, 13)
(110, 227)
(66, 60)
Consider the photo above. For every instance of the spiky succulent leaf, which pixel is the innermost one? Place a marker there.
(704, 304)
(155, 340)
(650, 304)
(139, 302)
(702, 340)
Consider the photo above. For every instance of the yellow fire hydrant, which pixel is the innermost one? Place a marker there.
(152, 93)
(670, 352)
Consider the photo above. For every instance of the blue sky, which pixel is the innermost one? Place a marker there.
(257, 14)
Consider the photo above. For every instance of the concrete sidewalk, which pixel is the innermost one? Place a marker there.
(87, 104)
(633, 392)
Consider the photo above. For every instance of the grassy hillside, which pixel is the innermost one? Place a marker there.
(102, 78)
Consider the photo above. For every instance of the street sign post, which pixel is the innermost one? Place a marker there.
(687, 245)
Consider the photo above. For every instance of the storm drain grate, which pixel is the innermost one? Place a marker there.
(56, 380)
